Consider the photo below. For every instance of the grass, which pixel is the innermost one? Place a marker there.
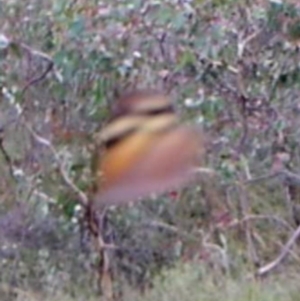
(193, 283)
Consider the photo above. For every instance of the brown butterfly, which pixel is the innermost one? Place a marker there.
(146, 149)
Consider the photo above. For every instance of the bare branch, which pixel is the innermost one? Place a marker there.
(285, 251)
(6, 157)
(43, 56)
(33, 52)
(256, 217)
(171, 228)
(284, 175)
(83, 198)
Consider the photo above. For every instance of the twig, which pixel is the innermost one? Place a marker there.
(6, 157)
(284, 174)
(104, 270)
(286, 249)
(33, 52)
(83, 198)
(221, 251)
(170, 228)
(242, 43)
(43, 56)
(254, 217)
(289, 204)
(244, 204)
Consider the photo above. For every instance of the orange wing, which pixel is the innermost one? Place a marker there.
(118, 160)
(149, 162)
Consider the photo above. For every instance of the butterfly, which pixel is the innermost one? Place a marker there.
(146, 149)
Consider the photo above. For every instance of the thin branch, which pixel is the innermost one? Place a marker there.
(242, 43)
(256, 217)
(170, 228)
(285, 251)
(83, 198)
(6, 157)
(43, 56)
(289, 204)
(32, 52)
(284, 175)
(245, 207)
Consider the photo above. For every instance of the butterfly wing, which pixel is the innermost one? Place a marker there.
(149, 165)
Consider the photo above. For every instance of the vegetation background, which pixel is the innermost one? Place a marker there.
(231, 66)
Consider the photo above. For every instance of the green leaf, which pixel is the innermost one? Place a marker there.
(16, 50)
(179, 21)
(187, 59)
(165, 15)
(76, 28)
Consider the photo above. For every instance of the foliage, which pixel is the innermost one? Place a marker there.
(231, 66)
